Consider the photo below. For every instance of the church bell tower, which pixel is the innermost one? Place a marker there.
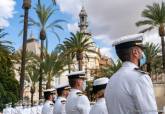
(83, 24)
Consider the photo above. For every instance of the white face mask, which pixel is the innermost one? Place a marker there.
(84, 85)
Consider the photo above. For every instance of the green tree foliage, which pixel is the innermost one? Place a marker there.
(151, 51)
(53, 65)
(111, 69)
(33, 78)
(44, 13)
(8, 84)
(154, 17)
(77, 45)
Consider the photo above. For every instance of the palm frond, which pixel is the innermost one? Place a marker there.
(146, 29)
(154, 16)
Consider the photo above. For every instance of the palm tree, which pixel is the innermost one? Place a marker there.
(44, 13)
(77, 44)
(30, 57)
(155, 17)
(151, 51)
(53, 1)
(32, 65)
(53, 65)
(26, 7)
(3, 42)
(111, 69)
(155, 66)
(5, 47)
(62, 50)
(32, 77)
(8, 84)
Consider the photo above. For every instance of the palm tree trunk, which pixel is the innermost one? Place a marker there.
(79, 59)
(161, 34)
(79, 65)
(41, 70)
(48, 84)
(68, 68)
(26, 6)
(46, 45)
(32, 95)
(163, 53)
(149, 67)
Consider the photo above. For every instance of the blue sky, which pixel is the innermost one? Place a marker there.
(15, 26)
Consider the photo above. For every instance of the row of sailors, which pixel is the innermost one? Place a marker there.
(129, 90)
(21, 110)
(59, 105)
(71, 99)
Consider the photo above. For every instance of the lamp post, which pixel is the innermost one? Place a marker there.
(26, 6)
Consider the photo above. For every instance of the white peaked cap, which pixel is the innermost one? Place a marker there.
(49, 90)
(62, 86)
(128, 38)
(76, 73)
(100, 81)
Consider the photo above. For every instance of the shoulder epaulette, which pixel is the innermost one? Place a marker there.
(79, 93)
(63, 101)
(141, 71)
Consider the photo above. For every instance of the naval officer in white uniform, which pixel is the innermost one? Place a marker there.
(62, 92)
(99, 86)
(77, 102)
(130, 90)
(48, 105)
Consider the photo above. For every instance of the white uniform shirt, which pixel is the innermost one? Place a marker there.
(48, 107)
(59, 106)
(77, 103)
(99, 107)
(130, 91)
(18, 110)
(8, 110)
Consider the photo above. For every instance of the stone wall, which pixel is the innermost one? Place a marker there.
(159, 89)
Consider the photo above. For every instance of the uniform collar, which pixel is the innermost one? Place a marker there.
(129, 64)
(62, 98)
(101, 100)
(48, 101)
(75, 90)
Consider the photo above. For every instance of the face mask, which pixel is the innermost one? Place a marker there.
(84, 86)
(142, 59)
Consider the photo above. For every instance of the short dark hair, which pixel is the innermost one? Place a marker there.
(59, 92)
(47, 95)
(72, 82)
(98, 88)
(123, 54)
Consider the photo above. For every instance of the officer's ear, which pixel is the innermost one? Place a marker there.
(135, 52)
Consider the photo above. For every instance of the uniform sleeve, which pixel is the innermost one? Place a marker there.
(98, 110)
(57, 108)
(83, 105)
(143, 96)
(63, 111)
(47, 110)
